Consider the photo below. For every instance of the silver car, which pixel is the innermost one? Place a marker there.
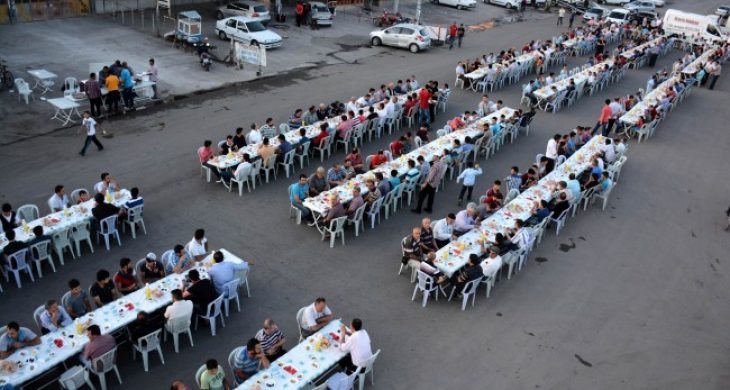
(249, 9)
(321, 13)
(406, 35)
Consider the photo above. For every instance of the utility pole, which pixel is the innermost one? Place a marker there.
(395, 6)
(418, 12)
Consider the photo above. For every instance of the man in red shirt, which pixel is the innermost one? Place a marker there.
(205, 154)
(378, 159)
(452, 35)
(396, 147)
(299, 9)
(423, 100)
(603, 119)
(323, 133)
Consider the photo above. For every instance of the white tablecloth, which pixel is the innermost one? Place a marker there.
(62, 220)
(632, 116)
(580, 78)
(694, 66)
(321, 203)
(630, 52)
(33, 361)
(453, 256)
(302, 364)
(481, 72)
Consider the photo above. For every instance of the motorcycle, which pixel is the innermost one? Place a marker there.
(387, 19)
(206, 57)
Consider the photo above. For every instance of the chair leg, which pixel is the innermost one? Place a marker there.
(106, 241)
(39, 269)
(145, 361)
(159, 352)
(190, 336)
(116, 370)
(102, 381)
(119, 240)
(212, 326)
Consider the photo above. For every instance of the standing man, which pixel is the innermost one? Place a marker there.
(299, 9)
(572, 18)
(424, 98)
(93, 92)
(89, 124)
(152, 73)
(603, 118)
(452, 34)
(428, 189)
(561, 15)
(127, 83)
(714, 72)
(111, 81)
(460, 33)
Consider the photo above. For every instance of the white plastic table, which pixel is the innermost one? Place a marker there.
(63, 220)
(65, 109)
(43, 79)
(302, 365)
(58, 346)
(453, 256)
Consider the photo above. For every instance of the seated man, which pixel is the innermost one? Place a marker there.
(103, 291)
(103, 210)
(561, 205)
(297, 193)
(378, 159)
(428, 267)
(214, 377)
(373, 193)
(125, 279)
(315, 317)
(336, 210)
(142, 326)
(223, 272)
(466, 220)
(198, 246)
(107, 183)
(97, 346)
(39, 236)
(180, 307)
(470, 272)
(12, 247)
(336, 175)
(16, 337)
(411, 247)
(54, 317)
(201, 292)
(356, 342)
(428, 243)
(272, 340)
(152, 270)
(443, 230)
(136, 199)
(9, 218)
(355, 203)
(493, 263)
(78, 302)
(248, 361)
(59, 199)
(318, 182)
(539, 212)
(180, 262)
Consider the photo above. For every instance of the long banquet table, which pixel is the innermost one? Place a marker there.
(453, 256)
(64, 219)
(63, 344)
(321, 203)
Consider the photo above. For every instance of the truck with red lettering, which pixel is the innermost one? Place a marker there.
(689, 25)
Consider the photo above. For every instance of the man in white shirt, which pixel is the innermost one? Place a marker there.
(493, 263)
(551, 152)
(357, 344)
(390, 107)
(106, 183)
(180, 308)
(609, 153)
(198, 246)
(89, 124)
(519, 235)
(382, 114)
(617, 109)
(58, 200)
(443, 230)
(254, 136)
(315, 317)
(352, 105)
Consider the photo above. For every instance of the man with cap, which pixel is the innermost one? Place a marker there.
(152, 270)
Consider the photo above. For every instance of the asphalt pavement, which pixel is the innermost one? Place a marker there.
(631, 297)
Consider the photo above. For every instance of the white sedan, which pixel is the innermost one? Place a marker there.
(247, 30)
(616, 2)
(504, 3)
(459, 4)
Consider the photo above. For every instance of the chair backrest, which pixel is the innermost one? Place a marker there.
(105, 362)
(214, 308)
(418, 141)
(79, 231)
(230, 289)
(305, 148)
(65, 299)
(283, 128)
(108, 225)
(135, 213)
(324, 142)
(40, 250)
(289, 157)
(388, 154)
(137, 266)
(513, 193)
(338, 224)
(359, 213)
(271, 163)
(368, 364)
(232, 359)
(198, 374)
(167, 257)
(28, 212)
(220, 143)
(560, 160)
(300, 315)
(150, 341)
(245, 173)
(425, 281)
(256, 168)
(375, 209)
(37, 316)
(19, 258)
(346, 383)
(538, 157)
(70, 83)
(76, 193)
(368, 160)
(471, 287)
(178, 324)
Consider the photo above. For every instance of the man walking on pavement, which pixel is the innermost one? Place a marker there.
(89, 124)
(452, 34)
(603, 119)
(714, 72)
(572, 18)
(429, 187)
(561, 15)
(460, 33)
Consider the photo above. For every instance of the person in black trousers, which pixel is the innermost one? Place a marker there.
(428, 189)
(89, 124)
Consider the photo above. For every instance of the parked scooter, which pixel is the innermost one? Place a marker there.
(203, 50)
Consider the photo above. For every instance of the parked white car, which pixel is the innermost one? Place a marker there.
(657, 3)
(247, 30)
(321, 13)
(594, 13)
(405, 35)
(509, 4)
(250, 9)
(459, 4)
(616, 2)
(619, 16)
(641, 5)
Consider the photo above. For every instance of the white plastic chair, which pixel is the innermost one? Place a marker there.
(374, 212)
(357, 219)
(28, 212)
(61, 242)
(560, 220)
(103, 364)
(175, 326)
(37, 317)
(300, 315)
(368, 368)
(70, 86)
(40, 252)
(230, 293)
(323, 147)
(108, 228)
(167, 257)
(426, 285)
(147, 344)
(79, 233)
(75, 378)
(198, 373)
(232, 359)
(469, 291)
(134, 218)
(24, 90)
(342, 381)
(304, 155)
(288, 162)
(243, 275)
(76, 194)
(212, 313)
(346, 141)
(603, 196)
(511, 195)
(336, 227)
(270, 167)
(19, 258)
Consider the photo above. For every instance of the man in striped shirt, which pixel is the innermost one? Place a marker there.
(247, 361)
(272, 340)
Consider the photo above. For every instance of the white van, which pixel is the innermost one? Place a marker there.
(678, 22)
(722, 22)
